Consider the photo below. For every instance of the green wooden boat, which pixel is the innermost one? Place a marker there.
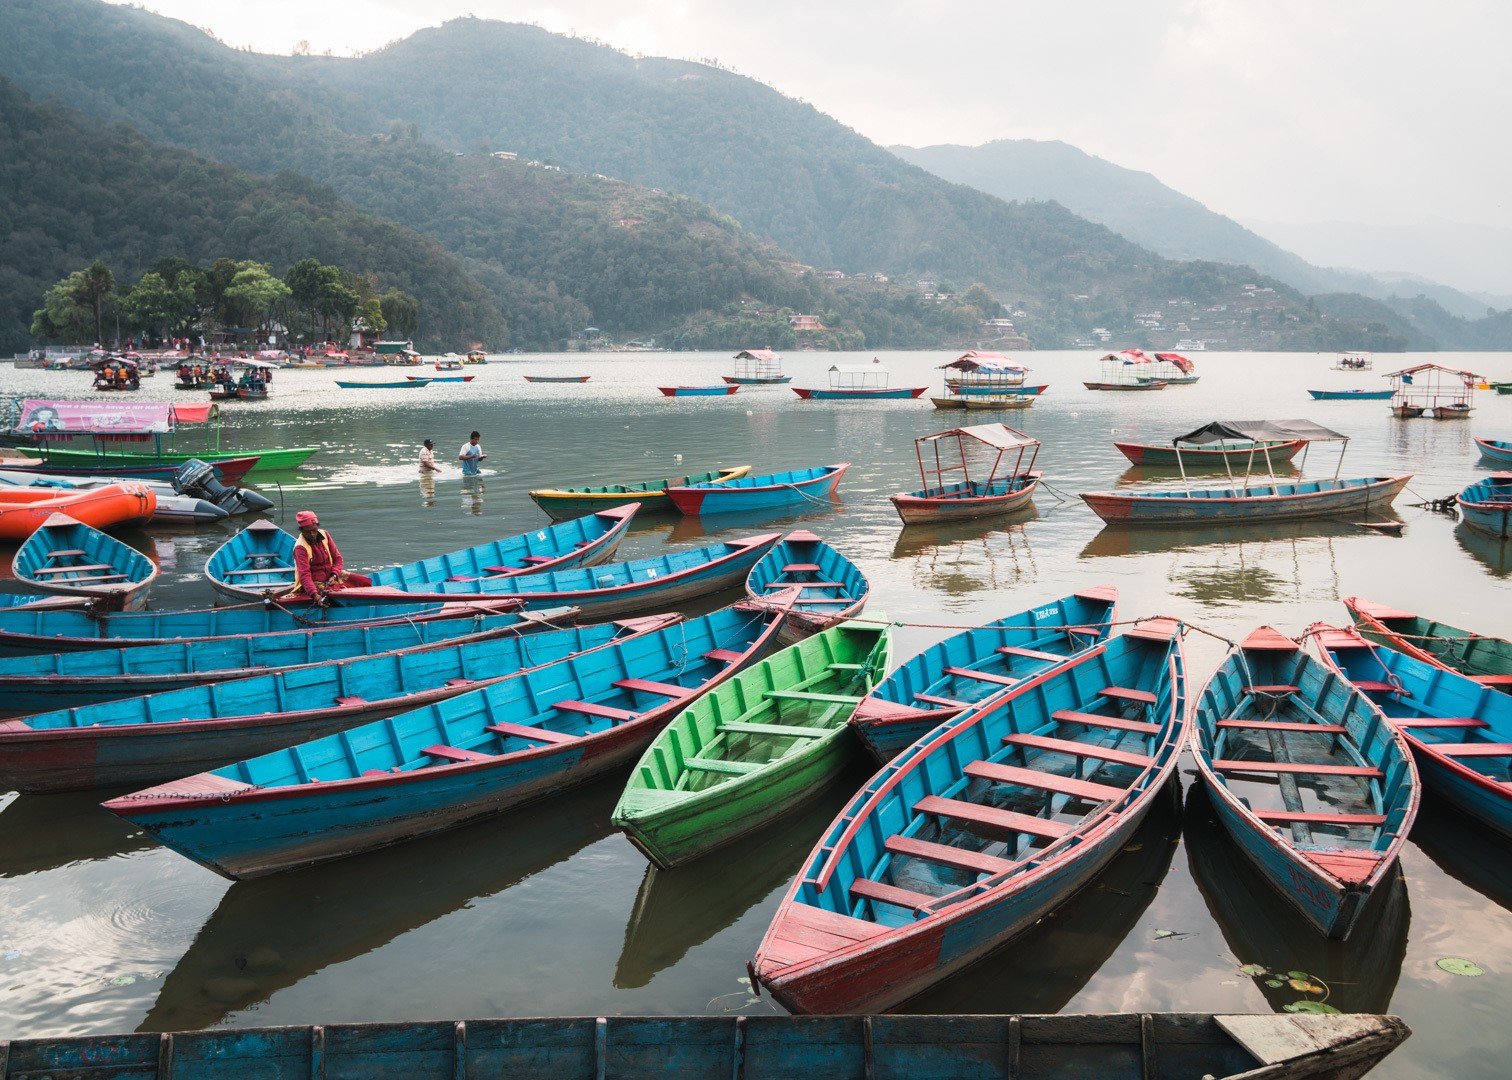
(1487, 660)
(279, 460)
(745, 755)
(566, 503)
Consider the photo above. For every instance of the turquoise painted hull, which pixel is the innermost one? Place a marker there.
(1486, 507)
(748, 493)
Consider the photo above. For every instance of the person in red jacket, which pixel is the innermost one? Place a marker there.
(318, 566)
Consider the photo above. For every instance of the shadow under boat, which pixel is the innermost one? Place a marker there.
(1261, 928)
(677, 910)
(1491, 552)
(1113, 541)
(46, 832)
(1052, 963)
(1466, 850)
(742, 523)
(270, 933)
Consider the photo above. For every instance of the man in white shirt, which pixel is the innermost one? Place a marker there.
(472, 455)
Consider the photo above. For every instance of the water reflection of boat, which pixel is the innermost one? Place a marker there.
(961, 559)
(44, 832)
(276, 931)
(1465, 850)
(1048, 966)
(1139, 474)
(677, 910)
(1261, 928)
(694, 528)
(1114, 541)
(1492, 553)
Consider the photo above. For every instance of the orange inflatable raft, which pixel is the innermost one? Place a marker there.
(23, 510)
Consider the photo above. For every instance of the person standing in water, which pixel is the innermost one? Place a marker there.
(428, 458)
(471, 455)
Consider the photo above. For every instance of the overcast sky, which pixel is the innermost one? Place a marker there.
(1380, 111)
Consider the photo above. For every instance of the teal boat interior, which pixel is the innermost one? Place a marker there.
(791, 478)
(67, 554)
(977, 489)
(259, 558)
(1488, 492)
(1261, 490)
(652, 487)
(831, 584)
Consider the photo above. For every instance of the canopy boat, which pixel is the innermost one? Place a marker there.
(161, 736)
(1486, 506)
(1223, 455)
(964, 670)
(37, 683)
(758, 492)
(449, 362)
(1267, 500)
(406, 383)
(1240, 1047)
(1498, 451)
(1004, 490)
(1486, 660)
(1271, 720)
(754, 749)
(45, 631)
(1460, 731)
(757, 367)
(1351, 395)
(193, 375)
(1353, 362)
(24, 510)
(660, 582)
(113, 373)
(831, 587)
(557, 378)
(476, 356)
(1173, 369)
(67, 557)
(459, 760)
(441, 378)
(563, 503)
(1443, 393)
(46, 424)
(980, 829)
(699, 391)
(984, 403)
(1131, 369)
(249, 383)
(986, 374)
(858, 382)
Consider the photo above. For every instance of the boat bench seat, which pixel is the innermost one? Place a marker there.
(1029, 654)
(805, 584)
(1033, 778)
(351, 701)
(1078, 749)
(68, 554)
(647, 686)
(724, 656)
(1439, 722)
(1122, 693)
(1085, 631)
(810, 600)
(890, 894)
(1282, 725)
(72, 569)
(945, 855)
(1287, 817)
(588, 708)
(728, 768)
(790, 730)
(1372, 686)
(976, 814)
(982, 676)
(95, 579)
(533, 560)
(1493, 680)
(525, 731)
(935, 699)
(1474, 749)
(281, 571)
(1111, 723)
(805, 695)
(1275, 691)
(801, 568)
(1296, 768)
(452, 753)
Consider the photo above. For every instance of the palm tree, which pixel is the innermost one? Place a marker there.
(95, 285)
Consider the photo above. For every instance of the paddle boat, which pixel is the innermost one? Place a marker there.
(1238, 1047)
(1486, 505)
(1444, 393)
(1486, 660)
(858, 382)
(1498, 451)
(407, 383)
(161, 736)
(24, 510)
(67, 557)
(441, 378)
(766, 492)
(1351, 395)
(1223, 455)
(557, 378)
(251, 384)
(699, 391)
(564, 503)
(831, 587)
(1353, 362)
(969, 667)
(754, 749)
(1130, 369)
(449, 362)
(476, 356)
(757, 367)
(1460, 731)
(1306, 775)
(1004, 490)
(472, 756)
(980, 829)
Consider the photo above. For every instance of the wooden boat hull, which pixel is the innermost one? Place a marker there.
(890, 394)
(1351, 395)
(69, 558)
(1182, 508)
(409, 383)
(774, 380)
(557, 378)
(831, 588)
(699, 391)
(1150, 384)
(948, 402)
(992, 390)
(916, 508)
(758, 493)
(1487, 660)
(111, 462)
(1196, 458)
(651, 494)
(1486, 506)
(444, 378)
(996, 404)
(1237, 1047)
(228, 471)
(24, 510)
(1498, 451)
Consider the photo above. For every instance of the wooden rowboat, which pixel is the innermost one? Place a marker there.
(1486, 506)
(1487, 660)
(557, 378)
(1143, 384)
(1272, 716)
(887, 393)
(407, 383)
(929, 869)
(465, 758)
(759, 492)
(1261, 501)
(441, 378)
(753, 750)
(256, 562)
(966, 669)
(831, 587)
(1201, 458)
(1109, 1046)
(699, 391)
(1351, 395)
(564, 503)
(69, 558)
(965, 475)
(160, 736)
(1460, 731)
(1496, 450)
(24, 510)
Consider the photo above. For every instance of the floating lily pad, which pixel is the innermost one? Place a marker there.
(1458, 965)
(1304, 987)
(1274, 984)
(1298, 975)
(123, 980)
(1309, 1007)
(1253, 970)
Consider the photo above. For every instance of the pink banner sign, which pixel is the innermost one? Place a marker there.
(41, 417)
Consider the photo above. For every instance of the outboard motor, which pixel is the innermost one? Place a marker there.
(197, 479)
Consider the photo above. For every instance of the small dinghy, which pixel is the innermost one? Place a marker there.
(564, 503)
(1308, 778)
(1487, 660)
(812, 486)
(68, 557)
(257, 562)
(754, 749)
(1498, 451)
(832, 588)
(1486, 506)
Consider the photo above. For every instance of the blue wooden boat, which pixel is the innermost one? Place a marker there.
(1267, 501)
(985, 1047)
(1460, 731)
(967, 668)
(14, 601)
(1351, 395)
(660, 582)
(980, 829)
(160, 736)
(404, 384)
(30, 630)
(817, 393)
(459, 760)
(832, 588)
(1486, 505)
(259, 560)
(699, 391)
(69, 558)
(759, 492)
(35, 683)
(1496, 450)
(1307, 776)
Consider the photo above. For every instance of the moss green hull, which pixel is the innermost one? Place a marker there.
(283, 460)
(564, 504)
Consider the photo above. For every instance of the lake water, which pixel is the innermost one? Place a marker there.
(549, 911)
